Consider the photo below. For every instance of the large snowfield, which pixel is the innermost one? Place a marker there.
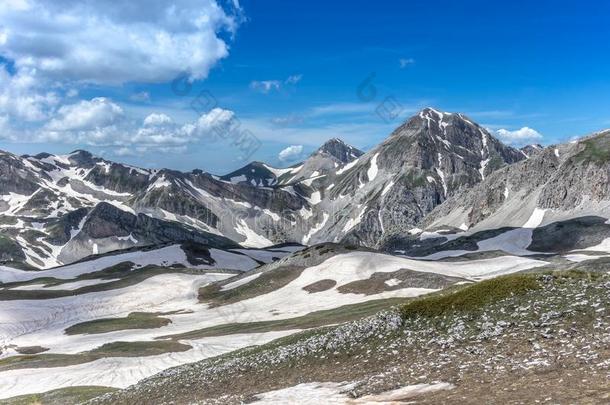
(42, 322)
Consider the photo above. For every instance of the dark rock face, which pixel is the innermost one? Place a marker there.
(60, 229)
(563, 236)
(255, 173)
(15, 177)
(339, 150)
(107, 221)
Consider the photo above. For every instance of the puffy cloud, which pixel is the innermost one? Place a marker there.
(105, 41)
(155, 119)
(22, 96)
(101, 122)
(520, 136)
(291, 153)
(86, 115)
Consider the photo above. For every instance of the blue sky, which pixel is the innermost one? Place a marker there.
(291, 74)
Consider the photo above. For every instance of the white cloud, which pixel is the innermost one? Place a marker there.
(22, 96)
(520, 136)
(86, 115)
(265, 86)
(105, 41)
(101, 122)
(5, 132)
(155, 119)
(406, 62)
(291, 153)
(161, 133)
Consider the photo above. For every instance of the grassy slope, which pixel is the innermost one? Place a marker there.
(114, 349)
(135, 320)
(63, 396)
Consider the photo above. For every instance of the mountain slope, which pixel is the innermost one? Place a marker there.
(393, 187)
(560, 182)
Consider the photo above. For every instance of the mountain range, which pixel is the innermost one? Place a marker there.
(440, 245)
(436, 171)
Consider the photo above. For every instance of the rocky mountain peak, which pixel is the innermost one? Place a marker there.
(340, 150)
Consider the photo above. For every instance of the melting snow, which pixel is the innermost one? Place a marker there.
(339, 394)
(253, 239)
(373, 169)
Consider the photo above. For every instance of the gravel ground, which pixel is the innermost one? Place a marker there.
(550, 345)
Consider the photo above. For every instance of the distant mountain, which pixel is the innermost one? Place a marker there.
(435, 170)
(394, 186)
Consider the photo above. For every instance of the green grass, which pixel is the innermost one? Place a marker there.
(313, 320)
(62, 396)
(470, 298)
(264, 284)
(114, 349)
(135, 320)
(596, 150)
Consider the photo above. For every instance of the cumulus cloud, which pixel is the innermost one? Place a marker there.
(22, 96)
(86, 115)
(101, 122)
(291, 153)
(109, 42)
(520, 136)
(155, 119)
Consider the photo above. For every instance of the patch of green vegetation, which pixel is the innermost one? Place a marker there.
(471, 297)
(595, 150)
(414, 179)
(62, 396)
(267, 282)
(7, 220)
(313, 320)
(135, 320)
(31, 349)
(114, 349)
